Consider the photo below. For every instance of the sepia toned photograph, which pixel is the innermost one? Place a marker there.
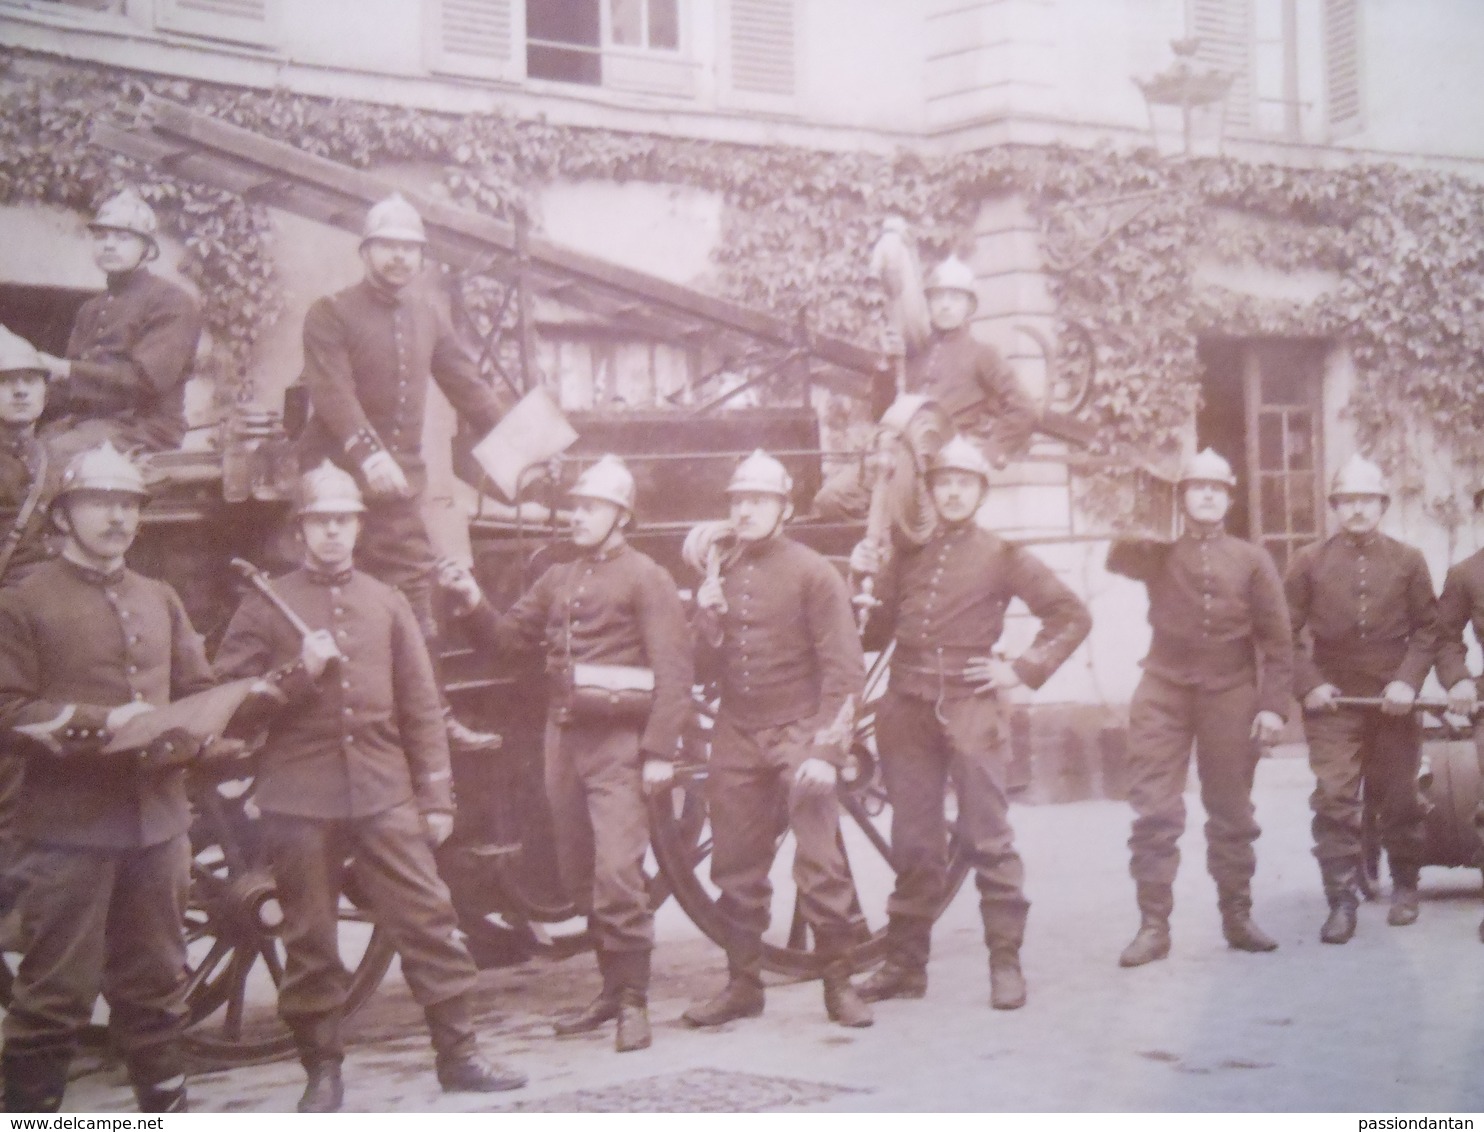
(742, 556)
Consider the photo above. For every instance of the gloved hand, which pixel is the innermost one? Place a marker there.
(384, 476)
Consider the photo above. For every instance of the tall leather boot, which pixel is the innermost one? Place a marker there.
(631, 976)
(461, 1069)
(35, 1082)
(168, 1095)
(1405, 905)
(1152, 942)
(842, 1002)
(904, 974)
(1342, 890)
(1235, 902)
(1006, 982)
(321, 1052)
(603, 1008)
(742, 997)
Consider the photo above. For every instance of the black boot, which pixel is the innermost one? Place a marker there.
(631, 975)
(324, 1090)
(35, 1082)
(842, 1002)
(743, 995)
(1404, 901)
(603, 1008)
(463, 739)
(321, 1050)
(1341, 889)
(165, 1096)
(1235, 901)
(904, 974)
(1152, 942)
(1006, 983)
(460, 1067)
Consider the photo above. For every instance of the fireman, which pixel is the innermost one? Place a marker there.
(1367, 601)
(1216, 677)
(612, 615)
(966, 378)
(132, 348)
(777, 626)
(85, 645)
(944, 717)
(358, 765)
(369, 353)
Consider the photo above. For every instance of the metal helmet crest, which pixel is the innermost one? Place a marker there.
(127, 211)
(1359, 476)
(762, 473)
(608, 480)
(328, 490)
(394, 219)
(104, 468)
(17, 355)
(953, 274)
(961, 455)
(1207, 466)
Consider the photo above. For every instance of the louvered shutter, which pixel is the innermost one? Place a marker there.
(1225, 29)
(241, 21)
(762, 45)
(1342, 89)
(476, 38)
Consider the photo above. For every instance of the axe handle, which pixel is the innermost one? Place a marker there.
(262, 585)
(1377, 701)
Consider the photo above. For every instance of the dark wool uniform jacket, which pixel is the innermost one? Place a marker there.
(946, 603)
(786, 649)
(367, 360)
(369, 735)
(1216, 608)
(132, 349)
(20, 461)
(619, 607)
(1370, 608)
(975, 388)
(74, 644)
(1462, 603)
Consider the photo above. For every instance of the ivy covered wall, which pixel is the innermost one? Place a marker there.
(1407, 246)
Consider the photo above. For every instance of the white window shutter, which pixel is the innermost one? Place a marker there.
(240, 21)
(1225, 31)
(1344, 109)
(762, 47)
(476, 38)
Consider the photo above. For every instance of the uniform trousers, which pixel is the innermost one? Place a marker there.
(594, 784)
(394, 869)
(106, 920)
(394, 548)
(923, 745)
(753, 801)
(1358, 753)
(1165, 719)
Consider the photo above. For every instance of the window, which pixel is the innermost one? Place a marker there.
(476, 38)
(1296, 64)
(621, 44)
(238, 21)
(762, 46)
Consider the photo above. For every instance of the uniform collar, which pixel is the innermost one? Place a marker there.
(761, 548)
(380, 295)
(122, 281)
(90, 575)
(1216, 532)
(1361, 542)
(606, 555)
(328, 577)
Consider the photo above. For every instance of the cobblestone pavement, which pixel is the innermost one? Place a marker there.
(1394, 1021)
